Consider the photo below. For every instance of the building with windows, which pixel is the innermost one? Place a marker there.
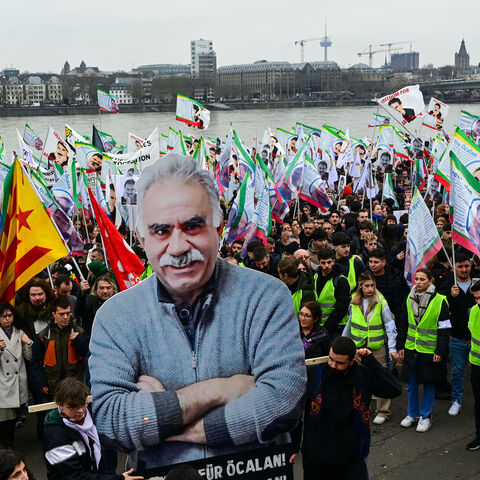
(35, 91)
(462, 58)
(14, 92)
(405, 62)
(203, 68)
(164, 70)
(121, 90)
(54, 90)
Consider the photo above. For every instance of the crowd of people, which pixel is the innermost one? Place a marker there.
(344, 271)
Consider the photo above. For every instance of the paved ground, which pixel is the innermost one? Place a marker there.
(396, 453)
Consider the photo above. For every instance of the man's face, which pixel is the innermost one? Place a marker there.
(308, 229)
(377, 265)
(96, 257)
(270, 248)
(104, 290)
(320, 243)
(263, 264)
(334, 218)
(362, 216)
(337, 148)
(61, 155)
(236, 248)
(322, 168)
(64, 290)
(302, 254)
(398, 107)
(327, 228)
(476, 296)
(286, 227)
(343, 251)
(95, 162)
(62, 317)
(463, 270)
(339, 363)
(326, 265)
(436, 109)
(37, 296)
(371, 245)
(129, 190)
(179, 232)
(363, 233)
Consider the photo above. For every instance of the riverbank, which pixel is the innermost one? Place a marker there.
(51, 110)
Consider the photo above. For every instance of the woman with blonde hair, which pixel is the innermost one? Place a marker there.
(370, 322)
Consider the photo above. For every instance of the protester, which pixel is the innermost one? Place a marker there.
(336, 434)
(370, 321)
(71, 443)
(314, 337)
(422, 342)
(351, 266)
(15, 348)
(12, 466)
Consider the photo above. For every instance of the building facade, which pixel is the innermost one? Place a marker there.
(462, 58)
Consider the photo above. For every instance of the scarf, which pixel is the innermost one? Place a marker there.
(419, 301)
(87, 430)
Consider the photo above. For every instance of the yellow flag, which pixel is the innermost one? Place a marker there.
(30, 241)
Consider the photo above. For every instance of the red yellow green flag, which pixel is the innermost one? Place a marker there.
(29, 240)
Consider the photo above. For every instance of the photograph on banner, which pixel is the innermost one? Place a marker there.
(470, 124)
(288, 140)
(31, 138)
(384, 161)
(56, 149)
(467, 151)
(405, 105)
(436, 114)
(126, 190)
(416, 148)
(434, 190)
(107, 102)
(192, 113)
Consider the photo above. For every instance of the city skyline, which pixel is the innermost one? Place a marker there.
(45, 34)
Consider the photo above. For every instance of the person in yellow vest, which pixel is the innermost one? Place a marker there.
(370, 322)
(332, 292)
(423, 342)
(474, 358)
(299, 283)
(352, 266)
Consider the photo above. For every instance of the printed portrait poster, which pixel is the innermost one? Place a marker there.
(436, 113)
(434, 189)
(384, 161)
(56, 149)
(126, 190)
(192, 113)
(405, 105)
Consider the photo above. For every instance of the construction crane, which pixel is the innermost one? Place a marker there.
(389, 45)
(370, 52)
(302, 46)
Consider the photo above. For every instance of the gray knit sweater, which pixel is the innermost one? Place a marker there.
(247, 326)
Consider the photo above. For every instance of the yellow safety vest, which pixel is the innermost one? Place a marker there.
(423, 337)
(474, 327)
(370, 334)
(327, 300)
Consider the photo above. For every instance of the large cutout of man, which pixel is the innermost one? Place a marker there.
(203, 358)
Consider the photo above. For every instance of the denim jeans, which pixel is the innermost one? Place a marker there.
(425, 409)
(458, 361)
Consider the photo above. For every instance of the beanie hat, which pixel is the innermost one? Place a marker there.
(97, 268)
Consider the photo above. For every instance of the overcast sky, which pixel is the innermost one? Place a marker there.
(39, 35)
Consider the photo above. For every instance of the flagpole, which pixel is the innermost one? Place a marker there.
(448, 258)
(452, 263)
(78, 268)
(50, 276)
(101, 238)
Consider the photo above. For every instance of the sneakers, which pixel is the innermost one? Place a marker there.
(408, 421)
(424, 424)
(378, 420)
(454, 410)
(474, 445)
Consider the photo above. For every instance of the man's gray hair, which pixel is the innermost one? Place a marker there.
(181, 168)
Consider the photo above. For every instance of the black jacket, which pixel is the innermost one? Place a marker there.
(459, 307)
(332, 435)
(316, 343)
(66, 454)
(85, 310)
(428, 371)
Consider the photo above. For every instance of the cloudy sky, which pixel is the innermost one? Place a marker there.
(39, 35)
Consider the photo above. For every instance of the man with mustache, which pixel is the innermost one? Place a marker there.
(203, 358)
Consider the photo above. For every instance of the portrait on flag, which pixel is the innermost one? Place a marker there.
(384, 161)
(436, 113)
(192, 113)
(126, 190)
(405, 105)
(56, 149)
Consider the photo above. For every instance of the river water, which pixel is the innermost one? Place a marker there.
(247, 123)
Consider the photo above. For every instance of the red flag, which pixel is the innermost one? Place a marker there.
(126, 266)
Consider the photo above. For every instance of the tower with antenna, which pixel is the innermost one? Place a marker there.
(325, 42)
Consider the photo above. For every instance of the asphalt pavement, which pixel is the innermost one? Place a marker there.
(396, 453)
